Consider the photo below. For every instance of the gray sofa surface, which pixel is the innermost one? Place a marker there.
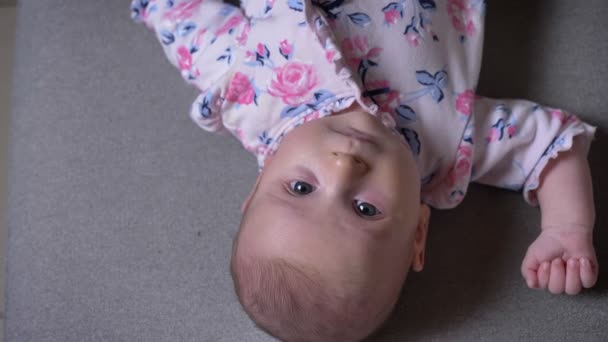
(122, 211)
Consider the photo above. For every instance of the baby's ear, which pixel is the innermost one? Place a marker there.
(420, 238)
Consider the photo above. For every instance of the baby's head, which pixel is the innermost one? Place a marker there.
(330, 231)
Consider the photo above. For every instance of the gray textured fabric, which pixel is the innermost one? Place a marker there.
(122, 211)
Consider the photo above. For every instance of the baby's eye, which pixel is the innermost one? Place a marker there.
(300, 188)
(365, 209)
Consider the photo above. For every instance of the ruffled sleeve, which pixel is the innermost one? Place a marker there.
(200, 39)
(571, 128)
(515, 139)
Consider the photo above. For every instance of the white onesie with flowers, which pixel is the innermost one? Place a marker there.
(270, 65)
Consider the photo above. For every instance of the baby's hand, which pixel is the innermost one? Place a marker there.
(561, 260)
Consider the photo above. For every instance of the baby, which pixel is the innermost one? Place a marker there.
(362, 115)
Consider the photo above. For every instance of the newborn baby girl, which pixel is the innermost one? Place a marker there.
(362, 115)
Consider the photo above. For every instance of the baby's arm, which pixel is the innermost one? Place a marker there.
(562, 259)
(521, 145)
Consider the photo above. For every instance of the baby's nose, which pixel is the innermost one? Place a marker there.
(349, 164)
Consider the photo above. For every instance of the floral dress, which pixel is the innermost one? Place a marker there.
(270, 65)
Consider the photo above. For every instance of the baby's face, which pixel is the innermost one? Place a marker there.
(341, 194)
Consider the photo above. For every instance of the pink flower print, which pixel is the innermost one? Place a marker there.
(558, 114)
(465, 151)
(462, 16)
(457, 196)
(242, 38)
(293, 82)
(494, 135)
(563, 116)
(183, 10)
(511, 130)
(253, 148)
(184, 58)
(392, 13)
(391, 16)
(260, 56)
(463, 164)
(470, 28)
(261, 49)
(238, 132)
(285, 48)
(330, 55)
(250, 56)
(230, 24)
(330, 51)
(194, 74)
(144, 11)
(269, 6)
(412, 38)
(497, 131)
(464, 102)
(572, 119)
(312, 116)
(262, 150)
(385, 100)
(417, 29)
(357, 49)
(240, 90)
(461, 170)
(199, 35)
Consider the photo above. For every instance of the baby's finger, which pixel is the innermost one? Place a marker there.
(573, 279)
(529, 268)
(588, 273)
(543, 275)
(531, 278)
(557, 279)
